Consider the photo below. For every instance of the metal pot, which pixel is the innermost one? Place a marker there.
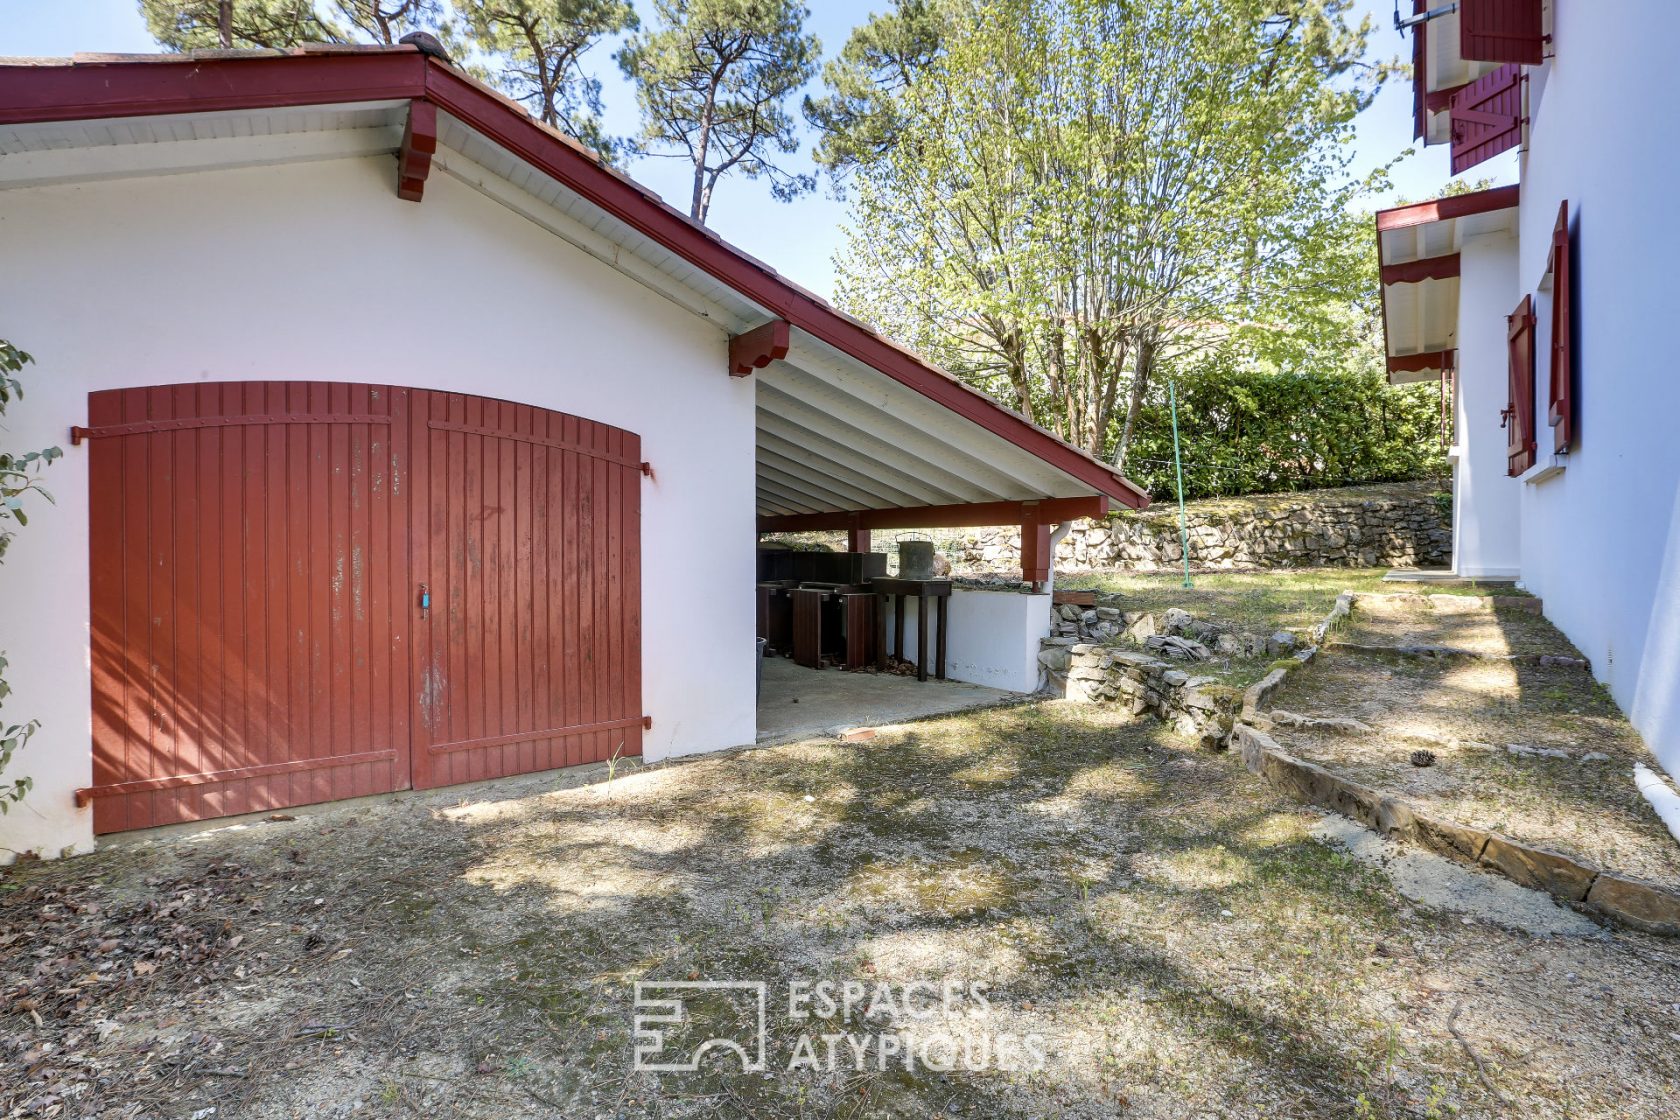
(915, 559)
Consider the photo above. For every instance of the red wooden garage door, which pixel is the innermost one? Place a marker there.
(259, 555)
(528, 529)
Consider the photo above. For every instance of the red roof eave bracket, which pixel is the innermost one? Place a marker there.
(758, 347)
(419, 145)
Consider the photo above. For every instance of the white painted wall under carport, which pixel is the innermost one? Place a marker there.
(318, 271)
(992, 637)
(1601, 541)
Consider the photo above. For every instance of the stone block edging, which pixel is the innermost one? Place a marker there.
(1622, 899)
(1257, 699)
(1452, 653)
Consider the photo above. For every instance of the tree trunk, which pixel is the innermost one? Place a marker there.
(224, 24)
(1134, 406)
(702, 200)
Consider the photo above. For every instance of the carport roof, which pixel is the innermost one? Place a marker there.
(852, 428)
(1418, 261)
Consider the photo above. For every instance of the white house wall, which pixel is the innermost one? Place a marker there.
(1485, 499)
(1601, 541)
(319, 272)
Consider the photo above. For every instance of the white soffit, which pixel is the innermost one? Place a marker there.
(1421, 317)
(124, 147)
(835, 434)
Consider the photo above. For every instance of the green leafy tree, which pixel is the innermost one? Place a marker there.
(537, 49)
(858, 116)
(1081, 190)
(19, 478)
(386, 21)
(712, 81)
(530, 49)
(185, 25)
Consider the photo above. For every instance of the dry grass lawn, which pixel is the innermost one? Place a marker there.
(1162, 920)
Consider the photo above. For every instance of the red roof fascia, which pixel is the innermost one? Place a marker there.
(1443, 209)
(124, 87)
(1418, 363)
(1425, 268)
(154, 85)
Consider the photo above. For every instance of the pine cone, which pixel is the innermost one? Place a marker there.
(1423, 758)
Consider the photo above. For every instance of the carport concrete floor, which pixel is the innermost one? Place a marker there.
(800, 703)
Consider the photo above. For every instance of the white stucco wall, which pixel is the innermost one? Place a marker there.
(1485, 498)
(318, 271)
(1601, 541)
(992, 637)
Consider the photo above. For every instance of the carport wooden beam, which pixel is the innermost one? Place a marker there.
(1034, 518)
(1049, 511)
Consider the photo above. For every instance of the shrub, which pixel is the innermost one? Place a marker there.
(1254, 432)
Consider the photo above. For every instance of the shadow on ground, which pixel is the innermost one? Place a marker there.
(1163, 923)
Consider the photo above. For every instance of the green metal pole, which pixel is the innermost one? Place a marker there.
(1178, 466)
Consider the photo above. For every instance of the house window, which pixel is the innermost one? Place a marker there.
(1518, 417)
(1560, 412)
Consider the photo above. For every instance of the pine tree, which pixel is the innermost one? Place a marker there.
(537, 49)
(712, 80)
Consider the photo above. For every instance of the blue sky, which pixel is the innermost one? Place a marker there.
(798, 238)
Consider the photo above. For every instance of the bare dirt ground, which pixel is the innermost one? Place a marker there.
(1469, 713)
(1168, 927)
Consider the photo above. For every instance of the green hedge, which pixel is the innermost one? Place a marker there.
(1251, 432)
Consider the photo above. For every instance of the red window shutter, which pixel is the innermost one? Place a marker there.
(1487, 117)
(1518, 417)
(1561, 413)
(1500, 31)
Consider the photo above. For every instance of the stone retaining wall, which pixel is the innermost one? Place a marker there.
(1401, 525)
(1198, 707)
(1081, 662)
